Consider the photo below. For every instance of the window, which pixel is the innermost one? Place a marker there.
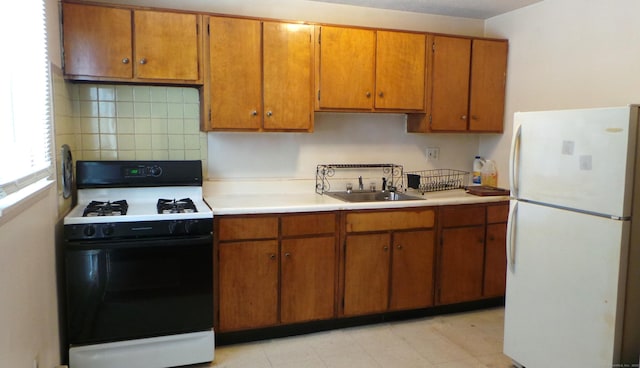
(25, 122)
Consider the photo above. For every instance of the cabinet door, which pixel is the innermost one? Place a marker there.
(488, 79)
(288, 77)
(166, 45)
(495, 263)
(400, 71)
(366, 284)
(347, 62)
(236, 77)
(248, 285)
(308, 279)
(412, 270)
(97, 41)
(461, 264)
(450, 83)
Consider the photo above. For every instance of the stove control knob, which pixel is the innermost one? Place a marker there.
(155, 170)
(89, 231)
(191, 226)
(176, 227)
(107, 230)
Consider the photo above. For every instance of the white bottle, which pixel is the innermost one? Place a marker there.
(478, 162)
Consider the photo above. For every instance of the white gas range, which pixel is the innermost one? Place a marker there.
(138, 266)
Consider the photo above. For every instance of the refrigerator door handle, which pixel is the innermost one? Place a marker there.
(511, 236)
(514, 158)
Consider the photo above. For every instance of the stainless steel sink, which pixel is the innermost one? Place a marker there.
(358, 196)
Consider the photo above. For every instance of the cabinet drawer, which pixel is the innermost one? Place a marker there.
(497, 213)
(463, 216)
(308, 224)
(390, 220)
(241, 228)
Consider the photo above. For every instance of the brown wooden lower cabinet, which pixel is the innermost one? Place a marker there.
(388, 270)
(472, 252)
(412, 270)
(248, 284)
(274, 269)
(495, 262)
(308, 279)
(461, 264)
(366, 275)
(284, 269)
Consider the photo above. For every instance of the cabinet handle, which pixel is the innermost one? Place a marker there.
(385, 248)
(491, 238)
(463, 117)
(269, 113)
(399, 246)
(272, 256)
(381, 94)
(474, 117)
(254, 113)
(125, 61)
(287, 254)
(143, 61)
(368, 94)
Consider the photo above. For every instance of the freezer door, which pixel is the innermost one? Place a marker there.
(580, 159)
(563, 304)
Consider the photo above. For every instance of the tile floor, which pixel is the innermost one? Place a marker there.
(464, 340)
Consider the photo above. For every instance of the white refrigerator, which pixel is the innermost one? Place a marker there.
(573, 244)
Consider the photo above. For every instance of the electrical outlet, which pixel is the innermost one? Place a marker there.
(433, 153)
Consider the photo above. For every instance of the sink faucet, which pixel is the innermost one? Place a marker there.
(360, 185)
(384, 184)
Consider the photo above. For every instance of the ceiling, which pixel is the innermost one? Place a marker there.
(479, 9)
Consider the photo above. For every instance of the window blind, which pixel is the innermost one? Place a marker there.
(25, 119)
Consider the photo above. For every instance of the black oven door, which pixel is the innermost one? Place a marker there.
(138, 288)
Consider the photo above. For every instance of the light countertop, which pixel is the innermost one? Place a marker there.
(242, 203)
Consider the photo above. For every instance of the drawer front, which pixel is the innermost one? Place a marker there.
(308, 224)
(243, 228)
(463, 216)
(390, 220)
(497, 213)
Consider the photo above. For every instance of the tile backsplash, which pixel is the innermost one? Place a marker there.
(124, 122)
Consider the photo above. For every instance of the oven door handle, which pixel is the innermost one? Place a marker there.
(201, 240)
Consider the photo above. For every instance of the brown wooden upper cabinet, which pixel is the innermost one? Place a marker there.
(366, 70)
(468, 78)
(261, 75)
(117, 44)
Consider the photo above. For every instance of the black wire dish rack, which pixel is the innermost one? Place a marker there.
(437, 179)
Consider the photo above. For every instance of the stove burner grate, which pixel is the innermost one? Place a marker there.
(184, 205)
(108, 208)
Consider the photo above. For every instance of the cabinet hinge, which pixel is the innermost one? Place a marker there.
(433, 47)
(209, 115)
(197, 29)
(320, 37)
(208, 29)
(318, 95)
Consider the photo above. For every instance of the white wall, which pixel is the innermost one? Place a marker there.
(28, 300)
(566, 54)
(338, 138)
(28, 296)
